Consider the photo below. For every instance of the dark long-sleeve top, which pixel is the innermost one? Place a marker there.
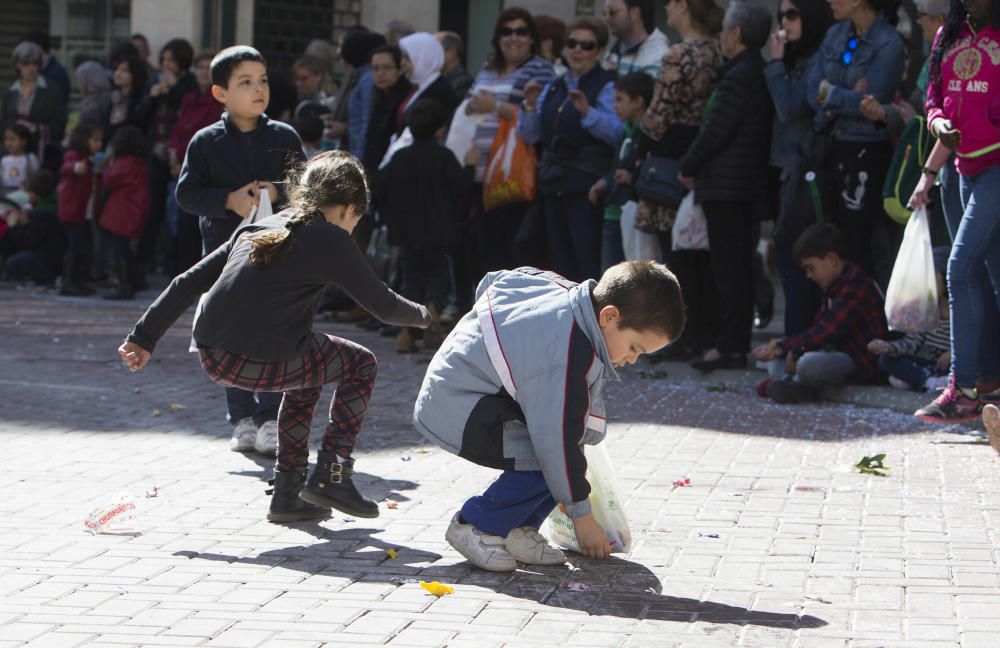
(221, 158)
(267, 311)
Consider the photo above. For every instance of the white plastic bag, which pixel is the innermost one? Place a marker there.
(605, 503)
(690, 231)
(637, 245)
(462, 132)
(262, 209)
(911, 303)
(405, 139)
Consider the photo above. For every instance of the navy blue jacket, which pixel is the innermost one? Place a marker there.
(222, 158)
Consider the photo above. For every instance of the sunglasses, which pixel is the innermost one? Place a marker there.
(586, 46)
(848, 55)
(514, 31)
(790, 15)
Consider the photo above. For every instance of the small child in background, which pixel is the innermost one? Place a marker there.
(420, 190)
(74, 198)
(921, 361)
(18, 164)
(633, 92)
(125, 184)
(34, 243)
(310, 127)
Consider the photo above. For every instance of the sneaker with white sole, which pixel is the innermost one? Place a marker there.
(529, 546)
(481, 549)
(244, 435)
(266, 441)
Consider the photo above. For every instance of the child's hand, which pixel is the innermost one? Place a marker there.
(532, 91)
(596, 190)
(133, 355)
(242, 200)
(473, 157)
(944, 361)
(80, 168)
(592, 538)
(764, 352)
(881, 347)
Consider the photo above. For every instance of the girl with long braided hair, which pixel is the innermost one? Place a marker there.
(253, 329)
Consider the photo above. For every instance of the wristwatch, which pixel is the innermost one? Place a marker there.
(929, 171)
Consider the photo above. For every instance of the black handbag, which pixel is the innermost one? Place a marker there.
(657, 182)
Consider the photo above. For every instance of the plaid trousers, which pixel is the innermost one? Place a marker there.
(328, 359)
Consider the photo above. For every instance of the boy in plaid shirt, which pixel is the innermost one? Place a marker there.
(834, 349)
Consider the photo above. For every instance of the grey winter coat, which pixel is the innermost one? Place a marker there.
(518, 383)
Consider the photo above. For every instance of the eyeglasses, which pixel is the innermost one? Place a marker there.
(586, 46)
(514, 31)
(384, 68)
(848, 55)
(790, 15)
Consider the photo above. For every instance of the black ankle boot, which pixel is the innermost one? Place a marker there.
(332, 484)
(285, 503)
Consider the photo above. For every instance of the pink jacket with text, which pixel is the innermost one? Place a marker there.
(967, 92)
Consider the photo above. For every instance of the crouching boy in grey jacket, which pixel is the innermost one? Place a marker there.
(517, 386)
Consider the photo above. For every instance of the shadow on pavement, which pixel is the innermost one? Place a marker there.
(615, 587)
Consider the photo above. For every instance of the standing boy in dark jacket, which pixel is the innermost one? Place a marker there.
(420, 190)
(725, 166)
(227, 166)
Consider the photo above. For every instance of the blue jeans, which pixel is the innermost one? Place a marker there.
(260, 406)
(973, 281)
(910, 369)
(573, 228)
(515, 499)
(612, 251)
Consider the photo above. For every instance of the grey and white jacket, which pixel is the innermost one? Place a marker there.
(518, 384)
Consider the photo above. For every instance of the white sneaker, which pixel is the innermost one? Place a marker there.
(899, 383)
(936, 383)
(266, 441)
(529, 546)
(244, 435)
(482, 550)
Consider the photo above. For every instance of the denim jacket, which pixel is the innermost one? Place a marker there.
(359, 111)
(793, 116)
(877, 60)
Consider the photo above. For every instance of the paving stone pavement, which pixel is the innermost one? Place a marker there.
(776, 542)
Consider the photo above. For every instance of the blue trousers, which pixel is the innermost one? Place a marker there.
(515, 499)
(612, 252)
(261, 406)
(973, 281)
(909, 369)
(573, 227)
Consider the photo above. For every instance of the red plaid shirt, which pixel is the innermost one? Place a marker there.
(852, 315)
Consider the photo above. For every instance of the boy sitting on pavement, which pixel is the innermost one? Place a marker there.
(518, 386)
(834, 350)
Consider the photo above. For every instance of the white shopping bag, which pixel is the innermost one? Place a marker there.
(605, 503)
(404, 140)
(638, 245)
(911, 303)
(462, 132)
(690, 231)
(262, 209)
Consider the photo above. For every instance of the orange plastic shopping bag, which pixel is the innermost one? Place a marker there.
(511, 169)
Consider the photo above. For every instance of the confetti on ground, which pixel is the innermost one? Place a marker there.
(392, 553)
(682, 482)
(436, 588)
(348, 519)
(156, 412)
(818, 599)
(708, 535)
(406, 457)
(575, 587)
(177, 407)
(391, 504)
(659, 374)
(154, 492)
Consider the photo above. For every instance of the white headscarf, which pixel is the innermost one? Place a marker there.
(426, 57)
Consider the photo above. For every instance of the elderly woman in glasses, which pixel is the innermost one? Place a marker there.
(861, 55)
(30, 101)
(574, 121)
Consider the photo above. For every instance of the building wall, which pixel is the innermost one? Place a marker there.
(422, 14)
(160, 21)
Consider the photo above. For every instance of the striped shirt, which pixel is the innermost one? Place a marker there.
(509, 88)
(926, 345)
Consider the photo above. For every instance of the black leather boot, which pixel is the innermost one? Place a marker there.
(332, 484)
(72, 283)
(124, 288)
(285, 503)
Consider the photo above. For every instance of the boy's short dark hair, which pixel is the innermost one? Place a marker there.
(309, 126)
(391, 50)
(635, 85)
(818, 241)
(647, 295)
(425, 117)
(41, 183)
(225, 62)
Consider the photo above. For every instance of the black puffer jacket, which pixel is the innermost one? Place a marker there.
(728, 160)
